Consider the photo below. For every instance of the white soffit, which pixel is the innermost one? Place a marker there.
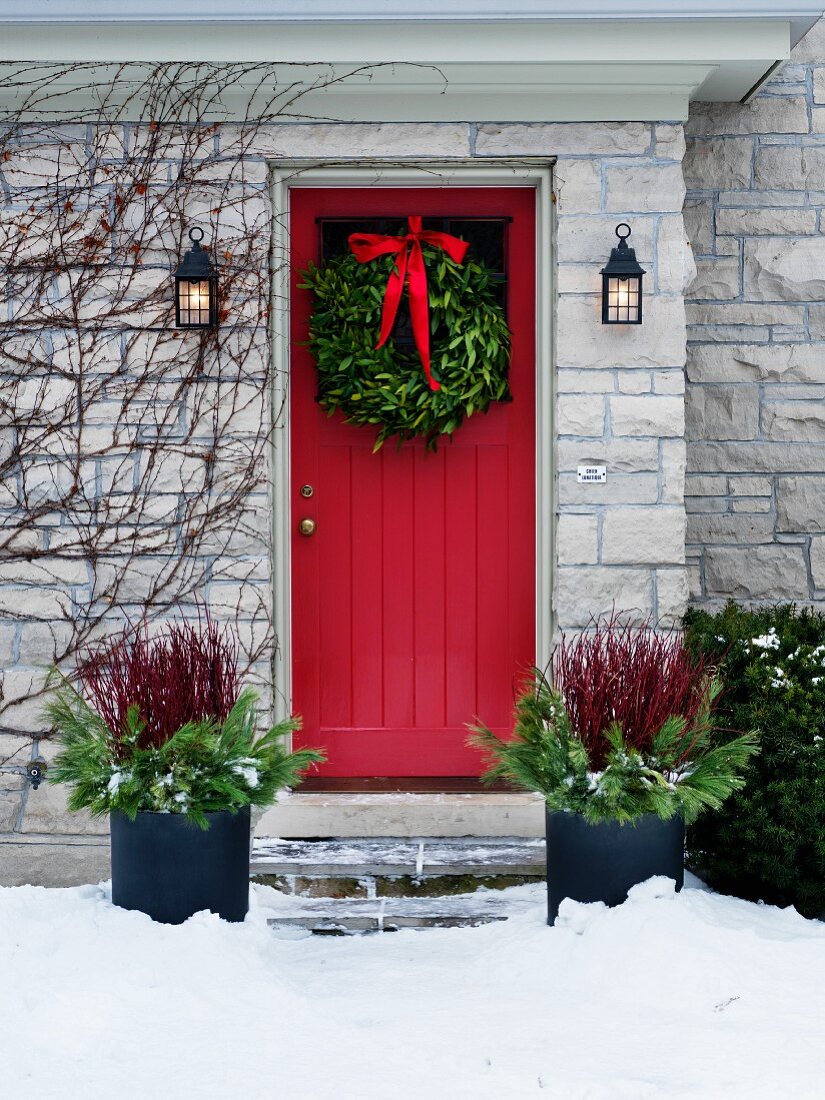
(464, 60)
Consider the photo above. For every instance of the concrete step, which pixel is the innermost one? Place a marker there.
(404, 814)
(417, 867)
(358, 916)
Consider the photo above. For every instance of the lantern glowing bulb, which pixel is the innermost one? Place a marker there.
(196, 287)
(622, 284)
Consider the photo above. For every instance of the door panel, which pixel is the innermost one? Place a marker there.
(413, 603)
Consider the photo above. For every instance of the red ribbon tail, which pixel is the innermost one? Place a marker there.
(392, 297)
(420, 310)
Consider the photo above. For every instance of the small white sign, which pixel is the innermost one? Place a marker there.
(592, 473)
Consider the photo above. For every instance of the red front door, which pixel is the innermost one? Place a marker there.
(413, 602)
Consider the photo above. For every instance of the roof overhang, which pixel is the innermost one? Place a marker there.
(492, 60)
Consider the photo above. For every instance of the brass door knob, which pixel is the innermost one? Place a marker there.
(307, 527)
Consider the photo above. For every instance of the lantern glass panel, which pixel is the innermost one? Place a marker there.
(623, 299)
(194, 303)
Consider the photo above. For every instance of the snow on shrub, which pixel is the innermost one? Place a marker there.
(768, 842)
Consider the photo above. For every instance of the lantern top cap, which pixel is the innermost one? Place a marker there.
(195, 263)
(623, 262)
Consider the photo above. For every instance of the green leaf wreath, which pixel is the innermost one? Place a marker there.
(386, 387)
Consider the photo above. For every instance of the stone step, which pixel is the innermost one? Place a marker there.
(367, 868)
(404, 814)
(357, 916)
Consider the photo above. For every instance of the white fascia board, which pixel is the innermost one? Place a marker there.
(628, 70)
(421, 43)
(802, 14)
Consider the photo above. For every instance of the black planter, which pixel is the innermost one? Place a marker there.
(170, 869)
(602, 862)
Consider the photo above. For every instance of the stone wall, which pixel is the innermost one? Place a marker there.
(620, 401)
(755, 213)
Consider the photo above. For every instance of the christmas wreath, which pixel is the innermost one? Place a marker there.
(460, 358)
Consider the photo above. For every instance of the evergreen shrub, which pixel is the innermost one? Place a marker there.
(768, 841)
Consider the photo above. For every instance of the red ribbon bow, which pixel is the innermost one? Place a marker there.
(408, 268)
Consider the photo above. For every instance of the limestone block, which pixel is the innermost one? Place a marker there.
(722, 412)
(699, 485)
(674, 462)
(779, 268)
(698, 215)
(64, 863)
(709, 528)
(35, 603)
(800, 504)
(44, 571)
(585, 592)
(636, 536)
(325, 140)
(818, 561)
(9, 809)
(743, 314)
(751, 504)
(618, 489)
(634, 381)
(41, 644)
(795, 421)
(774, 363)
(766, 114)
(716, 278)
(792, 167)
(718, 163)
(589, 239)
(751, 486)
(669, 141)
(578, 414)
(645, 187)
(772, 221)
(654, 415)
(812, 46)
(627, 456)
(770, 572)
(15, 750)
(669, 381)
(672, 594)
(761, 198)
(583, 341)
(47, 812)
(585, 381)
(757, 457)
(578, 186)
(577, 539)
(675, 263)
(562, 139)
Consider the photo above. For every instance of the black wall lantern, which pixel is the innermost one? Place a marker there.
(622, 284)
(196, 287)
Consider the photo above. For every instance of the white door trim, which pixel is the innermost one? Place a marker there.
(286, 175)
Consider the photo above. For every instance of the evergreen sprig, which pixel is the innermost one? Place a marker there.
(205, 766)
(385, 388)
(682, 771)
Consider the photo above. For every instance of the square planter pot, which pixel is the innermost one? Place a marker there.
(602, 862)
(170, 869)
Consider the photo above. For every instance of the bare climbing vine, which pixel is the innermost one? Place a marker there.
(133, 457)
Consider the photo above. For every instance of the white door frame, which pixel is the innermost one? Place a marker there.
(286, 175)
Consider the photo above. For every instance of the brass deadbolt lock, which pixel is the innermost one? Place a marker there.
(307, 490)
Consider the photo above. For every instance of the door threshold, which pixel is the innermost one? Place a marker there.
(410, 784)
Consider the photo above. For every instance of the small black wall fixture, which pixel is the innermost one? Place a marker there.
(196, 287)
(622, 283)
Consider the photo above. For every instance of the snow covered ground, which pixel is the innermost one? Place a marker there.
(693, 995)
